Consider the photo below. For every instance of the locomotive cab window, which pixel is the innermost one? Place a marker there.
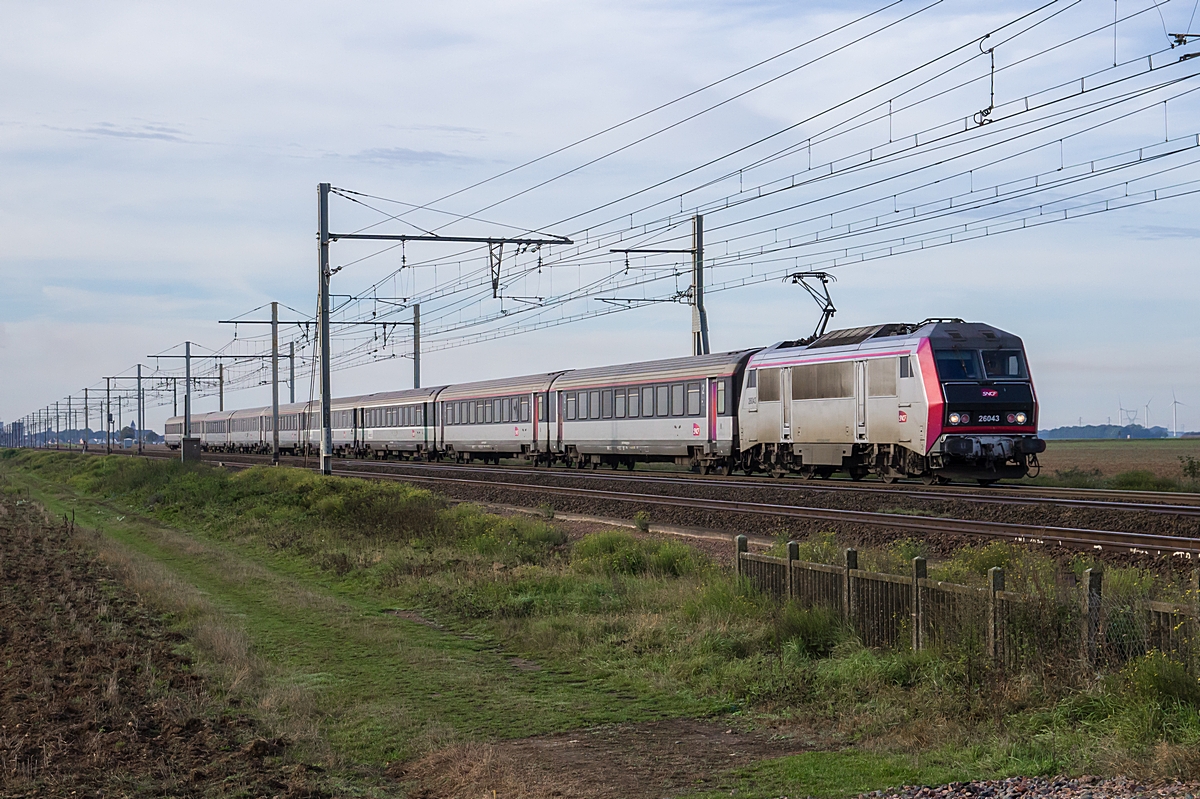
(906, 369)
(957, 364)
(1001, 364)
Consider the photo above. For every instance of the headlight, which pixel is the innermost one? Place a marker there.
(954, 418)
(966, 418)
(1012, 418)
(1021, 418)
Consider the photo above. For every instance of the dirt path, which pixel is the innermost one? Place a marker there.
(94, 698)
(625, 761)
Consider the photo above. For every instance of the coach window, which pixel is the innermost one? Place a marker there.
(647, 401)
(583, 405)
(495, 417)
(571, 407)
(720, 396)
(634, 395)
(693, 399)
(540, 404)
(594, 405)
(606, 403)
(677, 397)
(662, 404)
(524, 409)
(505, 411)
(619, 403)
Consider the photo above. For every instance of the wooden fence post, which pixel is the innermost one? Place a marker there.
(793, 552)
(851, 563)
(1092, 580)
(742, 545)
(995, 586)
(920, 570)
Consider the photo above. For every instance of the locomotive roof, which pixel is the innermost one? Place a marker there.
(670, 369)
(940, 332)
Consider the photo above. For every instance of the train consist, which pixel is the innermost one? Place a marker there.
(939, 400)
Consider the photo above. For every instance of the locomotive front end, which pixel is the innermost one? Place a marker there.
(983, 410)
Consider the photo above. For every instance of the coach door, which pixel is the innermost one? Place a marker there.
(785, 404)
(860, 400)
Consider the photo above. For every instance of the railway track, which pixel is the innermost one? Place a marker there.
(1163, 503)
(601, 490)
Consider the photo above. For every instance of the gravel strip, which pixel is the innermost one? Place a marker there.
(1050, 787)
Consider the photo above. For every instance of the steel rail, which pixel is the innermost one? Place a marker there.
(1039, 534)
(899, 493)
(1010, 495)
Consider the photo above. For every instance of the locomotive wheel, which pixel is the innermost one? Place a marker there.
(929, 479)
(704, 468)
(888, 479)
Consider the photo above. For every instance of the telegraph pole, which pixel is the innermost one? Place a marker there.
(187, 391)
(292, 368)
(87, 419)
(57, 426)
(220, 386)
(416, 345)
(141, 410)
(108, 416)
(699, 315)
(275, 383)
(323, 326)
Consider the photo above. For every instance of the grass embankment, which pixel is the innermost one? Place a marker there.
(508, 630)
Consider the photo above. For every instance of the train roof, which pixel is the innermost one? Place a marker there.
(492, 388)
(394, 397)
(691, 367)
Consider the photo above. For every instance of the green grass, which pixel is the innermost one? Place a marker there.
(622, 628)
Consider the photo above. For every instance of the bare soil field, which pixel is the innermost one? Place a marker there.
(95, 699)
(1111, 457)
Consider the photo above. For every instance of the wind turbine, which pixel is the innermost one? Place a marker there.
(1147, 425)
(1175, 414)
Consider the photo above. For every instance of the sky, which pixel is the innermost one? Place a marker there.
(161, 164)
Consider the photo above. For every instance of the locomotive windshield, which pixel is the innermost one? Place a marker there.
(999, 364)
(957, 364)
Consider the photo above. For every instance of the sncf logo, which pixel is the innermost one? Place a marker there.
(990, 392)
